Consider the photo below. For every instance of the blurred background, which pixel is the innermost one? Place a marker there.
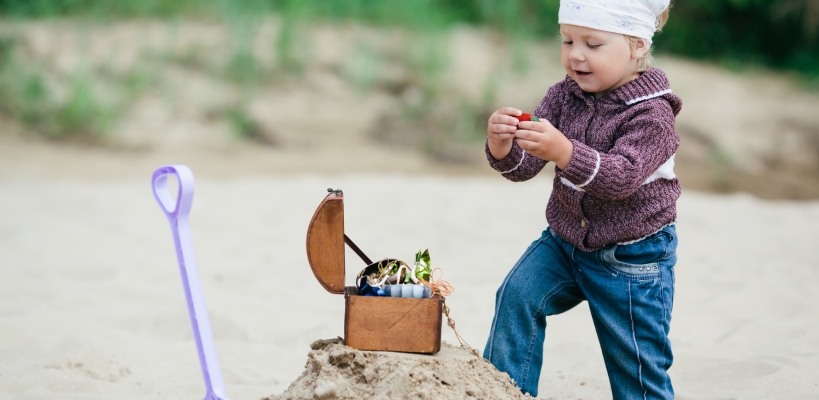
(272, 101)
(99, 88)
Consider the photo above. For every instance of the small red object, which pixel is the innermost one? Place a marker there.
(527, 117)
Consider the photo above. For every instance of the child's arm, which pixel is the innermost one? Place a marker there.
(504, 152)
(648, 141)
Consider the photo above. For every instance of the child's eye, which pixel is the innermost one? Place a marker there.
(593, 46)
(565, 41)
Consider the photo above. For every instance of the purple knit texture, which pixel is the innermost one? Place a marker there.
(631, 141)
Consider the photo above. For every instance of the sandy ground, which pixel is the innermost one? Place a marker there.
(91, 304)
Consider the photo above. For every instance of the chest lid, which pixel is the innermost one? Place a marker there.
(325, 242)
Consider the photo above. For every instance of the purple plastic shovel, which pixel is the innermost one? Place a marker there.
(177, 214)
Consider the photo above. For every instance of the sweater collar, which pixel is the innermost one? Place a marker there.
(652, 83)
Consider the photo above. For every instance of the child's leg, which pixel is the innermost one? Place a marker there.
(541, 283)
(630, 289)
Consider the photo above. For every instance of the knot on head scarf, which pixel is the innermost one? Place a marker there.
(628, 17)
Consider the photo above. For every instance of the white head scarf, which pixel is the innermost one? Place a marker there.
(629, 17)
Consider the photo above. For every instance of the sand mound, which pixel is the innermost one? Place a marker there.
(335, 371)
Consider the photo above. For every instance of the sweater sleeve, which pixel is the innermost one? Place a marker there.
(648, 141)
(519, 165)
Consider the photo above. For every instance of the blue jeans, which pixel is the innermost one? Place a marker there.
(630, 290)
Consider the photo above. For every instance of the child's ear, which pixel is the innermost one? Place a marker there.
(640, 48)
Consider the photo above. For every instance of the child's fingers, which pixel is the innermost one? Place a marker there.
(531, 126)
(526, 134)
(503, 128)
(504, 136)
(509, 111)
(527, 145)
(503, 119)
(539, 126)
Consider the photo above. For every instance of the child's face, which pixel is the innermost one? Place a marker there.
(598, 61)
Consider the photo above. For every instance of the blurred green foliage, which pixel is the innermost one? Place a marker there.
(778, 33)
(25, 95)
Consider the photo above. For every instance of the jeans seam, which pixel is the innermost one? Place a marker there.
(533, 332)
(500, 298)
(666, 317)
(636, 346)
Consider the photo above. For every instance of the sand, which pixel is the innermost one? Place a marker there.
(91, 305)
(335, 371)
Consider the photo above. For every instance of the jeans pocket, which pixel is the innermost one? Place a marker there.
(640, 259)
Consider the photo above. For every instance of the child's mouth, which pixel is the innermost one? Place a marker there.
(582, 73)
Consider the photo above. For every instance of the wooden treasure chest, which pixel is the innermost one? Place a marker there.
(409, 325)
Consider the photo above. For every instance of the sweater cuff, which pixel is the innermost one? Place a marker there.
(510, 163)
(583, 166)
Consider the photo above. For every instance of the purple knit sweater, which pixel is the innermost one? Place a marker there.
(619, 185)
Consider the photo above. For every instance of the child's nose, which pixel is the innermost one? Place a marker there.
(577, 55)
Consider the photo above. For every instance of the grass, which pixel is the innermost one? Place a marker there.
(21, 91)
(80, 113)
(784, 35)
(27, 93)
(243, 67)
(291, 48)
(361, 69)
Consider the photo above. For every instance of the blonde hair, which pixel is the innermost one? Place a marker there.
(645, 62)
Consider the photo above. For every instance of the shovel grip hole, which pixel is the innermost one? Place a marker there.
(163, 187)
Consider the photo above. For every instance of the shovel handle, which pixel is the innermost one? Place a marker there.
(176, 211)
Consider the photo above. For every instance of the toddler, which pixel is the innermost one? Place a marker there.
(611, 241)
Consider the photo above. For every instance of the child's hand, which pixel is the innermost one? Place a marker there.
(501, 129)
(544, 141)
